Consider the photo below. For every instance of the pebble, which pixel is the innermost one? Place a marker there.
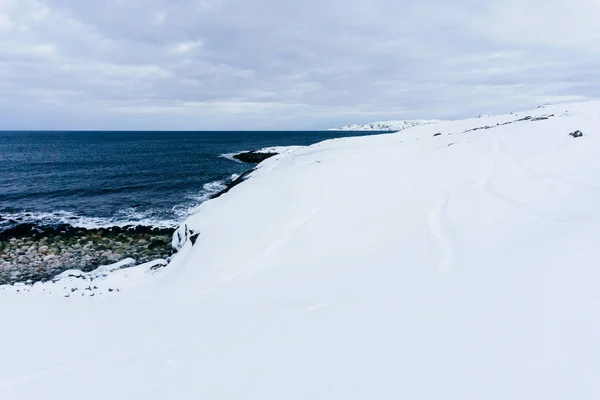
(115, 257)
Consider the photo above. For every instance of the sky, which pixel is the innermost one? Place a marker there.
(284, 64)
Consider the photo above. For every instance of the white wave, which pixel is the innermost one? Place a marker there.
(130, 216)
(214, 187)
(125, 217)
(231, 156)
(208, 190)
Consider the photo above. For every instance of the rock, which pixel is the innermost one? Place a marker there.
(115, 257)
(106, 254)
(157, 243)
(43, 249)
(437, 134)
(252, 157)
(576, 134)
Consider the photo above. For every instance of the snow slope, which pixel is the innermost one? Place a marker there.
(384, 126)
(397, 266)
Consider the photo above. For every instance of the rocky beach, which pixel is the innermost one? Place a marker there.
(30, 254)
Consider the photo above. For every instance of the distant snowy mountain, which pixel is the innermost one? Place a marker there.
(384, 126)
(458, 260)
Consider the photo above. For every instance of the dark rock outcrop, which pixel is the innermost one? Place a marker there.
(253, 157)
(576, 134)
(527, 118)
(232, 184)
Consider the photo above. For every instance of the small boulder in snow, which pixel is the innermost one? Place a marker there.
(576, 134)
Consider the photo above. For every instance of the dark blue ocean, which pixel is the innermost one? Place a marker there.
(102, 179)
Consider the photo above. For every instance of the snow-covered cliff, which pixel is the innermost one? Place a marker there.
(384, 126)
(457, 260)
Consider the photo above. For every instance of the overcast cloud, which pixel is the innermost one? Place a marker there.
(282, 64)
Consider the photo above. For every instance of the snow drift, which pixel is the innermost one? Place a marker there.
(453, 260)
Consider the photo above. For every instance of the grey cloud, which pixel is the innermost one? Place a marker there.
(233, 64)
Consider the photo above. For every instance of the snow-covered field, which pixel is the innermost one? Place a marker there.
(453, 260)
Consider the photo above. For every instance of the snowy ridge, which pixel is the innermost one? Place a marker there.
(384, 126)
(457, 260)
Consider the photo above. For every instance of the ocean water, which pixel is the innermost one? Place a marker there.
(103, 179)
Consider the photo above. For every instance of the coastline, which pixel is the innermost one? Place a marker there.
(30, 253)
(441, 250)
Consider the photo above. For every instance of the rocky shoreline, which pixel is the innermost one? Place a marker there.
(31, 254)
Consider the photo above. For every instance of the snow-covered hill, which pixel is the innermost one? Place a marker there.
(384, 126)
(455, 260)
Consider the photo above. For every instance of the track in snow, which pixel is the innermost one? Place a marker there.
(434, 221)
(485, 184)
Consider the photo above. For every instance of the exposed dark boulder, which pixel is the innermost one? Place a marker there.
(437, 134)
(157, 244)
(194, 237)
(253, 157)
(576, 134)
